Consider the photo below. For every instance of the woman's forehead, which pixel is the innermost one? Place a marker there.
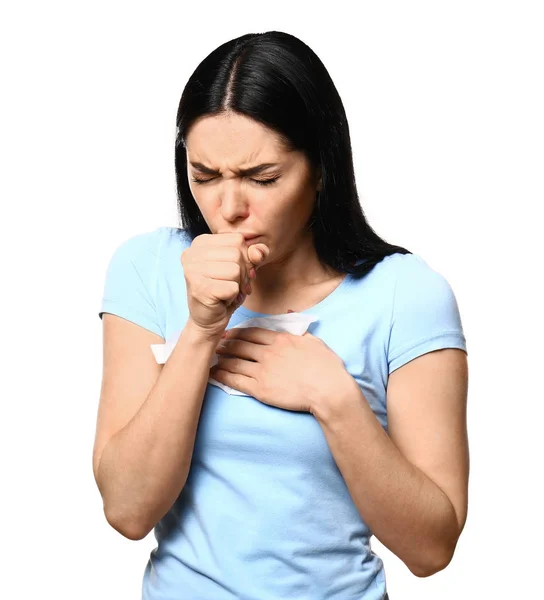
(236, 133)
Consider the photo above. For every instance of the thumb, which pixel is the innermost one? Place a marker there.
(257, 254)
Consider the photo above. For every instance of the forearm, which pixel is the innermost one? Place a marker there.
(143, 468)
(404, 509)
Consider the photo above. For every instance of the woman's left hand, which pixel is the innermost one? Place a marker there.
(293, 372)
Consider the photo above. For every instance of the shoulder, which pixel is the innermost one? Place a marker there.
(414, 276)
(410, 271)
(425, 314)
(153, 243)
(394, 264)
(173, 239)
(413, 262)
(148, 254)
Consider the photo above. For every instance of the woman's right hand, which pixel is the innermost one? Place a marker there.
(217, 271)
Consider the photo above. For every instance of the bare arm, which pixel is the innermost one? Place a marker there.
(141, 469)
(410, 487)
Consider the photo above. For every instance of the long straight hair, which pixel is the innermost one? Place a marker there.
(277, 80)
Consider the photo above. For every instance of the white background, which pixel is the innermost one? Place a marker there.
(445, 105)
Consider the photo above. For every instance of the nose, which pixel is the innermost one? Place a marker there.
(233, 204)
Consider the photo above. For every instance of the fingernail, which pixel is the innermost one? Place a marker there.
(248, 289)
(223, 335)
(252, 273)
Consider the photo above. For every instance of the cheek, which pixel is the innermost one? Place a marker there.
(206, 200)
(296, 202)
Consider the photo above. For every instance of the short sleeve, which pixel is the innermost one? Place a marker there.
(131, 281)
(425, 314)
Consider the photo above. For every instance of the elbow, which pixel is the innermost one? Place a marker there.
(429, 568)
(132, 529)
(438, 553)
(434, 561)
(436, 557)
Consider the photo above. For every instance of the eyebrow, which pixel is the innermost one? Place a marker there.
(251, 171)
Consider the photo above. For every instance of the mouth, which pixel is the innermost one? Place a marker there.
(251, 238)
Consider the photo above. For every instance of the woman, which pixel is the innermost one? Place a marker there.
(356, 428)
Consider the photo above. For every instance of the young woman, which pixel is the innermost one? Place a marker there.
(356, 428)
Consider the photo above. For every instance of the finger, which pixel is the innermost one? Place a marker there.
(257, 254)
(246, 385)
(212, 262)
(219, 253)
(257, 335)
(222, 290)
(224, 271)
(236, 365)
(238, 270)
(219, 239)
(241, 349)
(253, 255)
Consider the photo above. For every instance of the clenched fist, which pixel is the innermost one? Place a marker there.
(217, 272)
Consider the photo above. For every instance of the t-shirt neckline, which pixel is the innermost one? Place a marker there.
(316, 308)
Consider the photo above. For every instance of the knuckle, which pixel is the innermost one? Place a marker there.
(198, 288)
(199, 239)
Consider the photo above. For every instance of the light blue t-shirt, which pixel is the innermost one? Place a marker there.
(265, 513)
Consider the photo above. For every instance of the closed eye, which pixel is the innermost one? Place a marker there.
(257, 181)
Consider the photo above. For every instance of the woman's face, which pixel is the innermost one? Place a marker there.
(276, 202)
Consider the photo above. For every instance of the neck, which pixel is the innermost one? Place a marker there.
(296, 270)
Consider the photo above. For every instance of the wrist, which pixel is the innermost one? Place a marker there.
(334, 405)
(201, 334)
